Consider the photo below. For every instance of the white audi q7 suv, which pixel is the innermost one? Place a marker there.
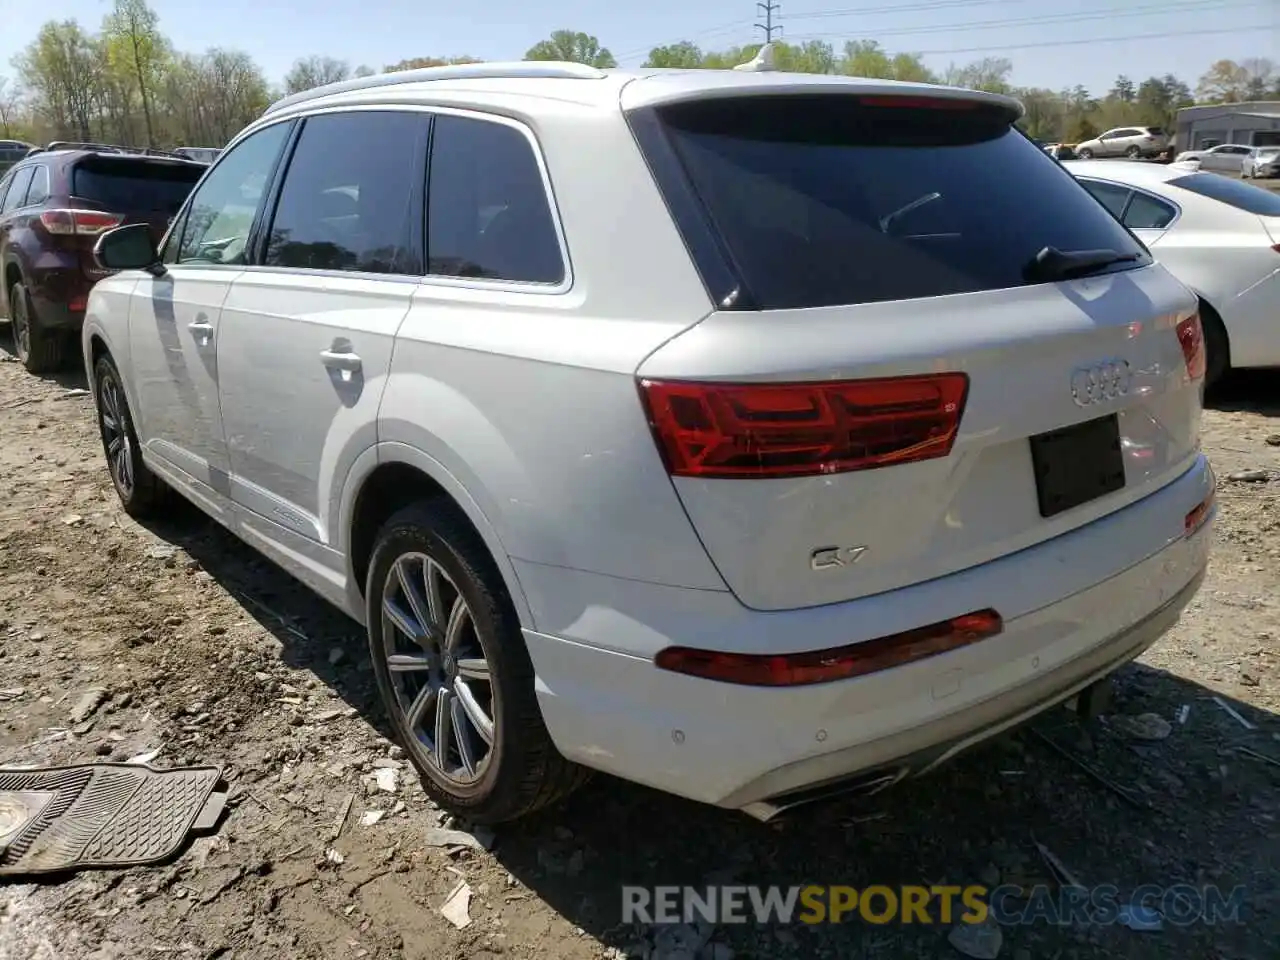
(745, 434)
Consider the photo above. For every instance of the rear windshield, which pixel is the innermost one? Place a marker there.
(134, 185)
(1235, 193)
(823, 200)
(1156, 131)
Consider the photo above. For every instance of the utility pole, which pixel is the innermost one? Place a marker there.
(768, 8)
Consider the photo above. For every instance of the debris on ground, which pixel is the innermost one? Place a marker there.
(88, 704)
(1145, 726)
(480, 839)
(1234, 713)
(1249, 476)
(457, 905)
(981, 941)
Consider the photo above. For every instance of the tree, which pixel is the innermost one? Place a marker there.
(684, 55)
(573, 47)
(61, 68)
(417, 63)
(909, 66)
(866, 58)
(1261, 77)
(1122, 90)
(133, 43)
(309, 72)
(990, 74)
(8, 108)
(1224, 82)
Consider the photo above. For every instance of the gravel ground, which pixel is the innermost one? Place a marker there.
(213, 656)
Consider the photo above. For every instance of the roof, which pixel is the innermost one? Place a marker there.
(575, 82)
(1256, 108)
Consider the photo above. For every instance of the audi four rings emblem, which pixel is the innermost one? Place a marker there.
(1104, 380)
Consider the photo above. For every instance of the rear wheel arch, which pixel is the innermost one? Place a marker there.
(1217, 342)
(397, 478)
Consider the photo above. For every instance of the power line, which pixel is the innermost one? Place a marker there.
(896, 8)
(1190, 6)
(739, 24)
(767, 8)
(1095, 40)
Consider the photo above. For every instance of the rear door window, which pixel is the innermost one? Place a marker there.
(133, 185)
(1234, 193)
(351, 198)
(17, 195)
(824, 200)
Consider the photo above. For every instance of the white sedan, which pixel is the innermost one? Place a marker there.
(1218, 235)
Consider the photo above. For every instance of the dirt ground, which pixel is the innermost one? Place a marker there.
(211, 655)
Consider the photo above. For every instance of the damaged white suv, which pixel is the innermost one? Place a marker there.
(745, 434)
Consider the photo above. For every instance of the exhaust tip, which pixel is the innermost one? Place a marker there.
(860, 785)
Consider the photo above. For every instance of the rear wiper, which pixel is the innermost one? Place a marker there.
(1054, 264)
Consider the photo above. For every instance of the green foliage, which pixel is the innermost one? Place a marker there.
(574, 47)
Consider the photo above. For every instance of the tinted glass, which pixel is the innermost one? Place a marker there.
(4, 188)
(221, 212)
(488, 215)
(823, 201)
(1109, 195)
(346, 203)
(18, 189)
(1155, 131)
(1235, 193)
(38, 192)
(1148, 213)
(134, 186)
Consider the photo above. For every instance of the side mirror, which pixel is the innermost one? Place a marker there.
(129, 248)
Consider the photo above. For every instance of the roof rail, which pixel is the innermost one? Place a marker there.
(513, 70)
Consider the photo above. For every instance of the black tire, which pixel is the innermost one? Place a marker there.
(140, 491)
(1085, 154)
(521, 771)
(1133, 153)
(1217, 347)
(40, 350)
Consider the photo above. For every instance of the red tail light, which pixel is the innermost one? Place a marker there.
(85, 223)
(840, 663)
(1191, 336)
(803, 429)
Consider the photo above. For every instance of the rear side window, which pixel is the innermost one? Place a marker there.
(488, 215)
(17, 194)
(1148, 213)
(348, 197)
(824, 200)
(1110, 195)
(1235, 193)
(132, 185)
(38, 192)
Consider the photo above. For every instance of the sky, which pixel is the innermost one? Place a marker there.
(1052, 43)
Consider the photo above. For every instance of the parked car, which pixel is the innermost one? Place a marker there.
(870, 436)
(1261, 162)
(1224, 158)
(1131, 142)
(53, 208)
(1061, 151)
(1219, 236)
(11, 151)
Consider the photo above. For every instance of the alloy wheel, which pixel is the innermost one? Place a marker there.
(115, 435)
(438, 669)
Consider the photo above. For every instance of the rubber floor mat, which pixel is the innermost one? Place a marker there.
(59, 819)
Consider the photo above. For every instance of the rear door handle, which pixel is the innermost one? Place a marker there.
(201, 330)
(335, 360)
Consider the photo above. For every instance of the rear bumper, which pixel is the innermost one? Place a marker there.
(1075, 608)
(59, 292)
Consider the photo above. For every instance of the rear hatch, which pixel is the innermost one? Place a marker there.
(902, 383)
(128, 189)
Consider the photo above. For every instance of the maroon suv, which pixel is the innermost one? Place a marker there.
(53, 207)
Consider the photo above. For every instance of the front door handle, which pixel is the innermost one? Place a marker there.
(201, 330)
(345, 360)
